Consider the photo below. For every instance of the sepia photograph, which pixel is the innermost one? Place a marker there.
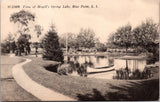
(79, 50)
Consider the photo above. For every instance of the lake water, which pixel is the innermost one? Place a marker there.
(91, 61)
(98, 65)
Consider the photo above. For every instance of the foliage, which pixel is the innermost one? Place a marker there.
(8, 44)
(5, 47)
(63, 69)
(13, 46)
(143, 38)
(123, 37)
(71, 40)
(137, 74)
(146, 36)
(141, 75)
(100, 47)
(23, 39)
(86, 38)
(10, 38)
(38, 30)
(51, 47)
(22, 18)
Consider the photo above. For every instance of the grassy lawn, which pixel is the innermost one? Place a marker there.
(81, 88)
(10, 90)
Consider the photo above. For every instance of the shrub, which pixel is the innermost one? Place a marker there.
(5, 47)
(122, 73)
(63, 69)
(137, 74)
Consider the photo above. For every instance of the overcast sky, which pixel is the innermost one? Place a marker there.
(104, 20)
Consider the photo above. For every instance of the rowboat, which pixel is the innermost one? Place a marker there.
(100, 70)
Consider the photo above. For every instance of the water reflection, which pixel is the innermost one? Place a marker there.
(80, 64)
(80, 69)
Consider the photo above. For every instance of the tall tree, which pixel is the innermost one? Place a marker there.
(71, 40)
(86, 38)
(38, 29)
(51, 46)
(146, 36)
(22, 18)
(123, 37)
(7, 43)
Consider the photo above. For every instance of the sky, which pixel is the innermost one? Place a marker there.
(103, 20)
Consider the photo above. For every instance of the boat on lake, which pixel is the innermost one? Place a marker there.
(100, 70)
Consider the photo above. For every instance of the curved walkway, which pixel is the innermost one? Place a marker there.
(41, 92)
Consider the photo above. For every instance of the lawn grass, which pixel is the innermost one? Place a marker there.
(82, 88)
(10, 90)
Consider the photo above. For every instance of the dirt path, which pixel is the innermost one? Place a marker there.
(41, 92)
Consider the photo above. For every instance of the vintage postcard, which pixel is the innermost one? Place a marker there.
(79, 50)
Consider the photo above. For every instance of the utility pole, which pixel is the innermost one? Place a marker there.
(66, 44)
(67, 47)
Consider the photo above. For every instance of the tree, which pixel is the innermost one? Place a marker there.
(51, 47)
(23, 44)
(71, 40)
(22, 18)
(100, 47)
(62, 41)
(9, 41)
(123, 37)
(86, 38)
(10, 37)
(38, 29)
(146, 36)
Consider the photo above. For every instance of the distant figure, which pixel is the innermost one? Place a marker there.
(25, 50)
(19, 49)
(121, 74)
(13, 47)
(28, 48)
(126, 73)
(85, 70)
(118, 74)
(36, 52)
(148, 72)
(16, 52)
